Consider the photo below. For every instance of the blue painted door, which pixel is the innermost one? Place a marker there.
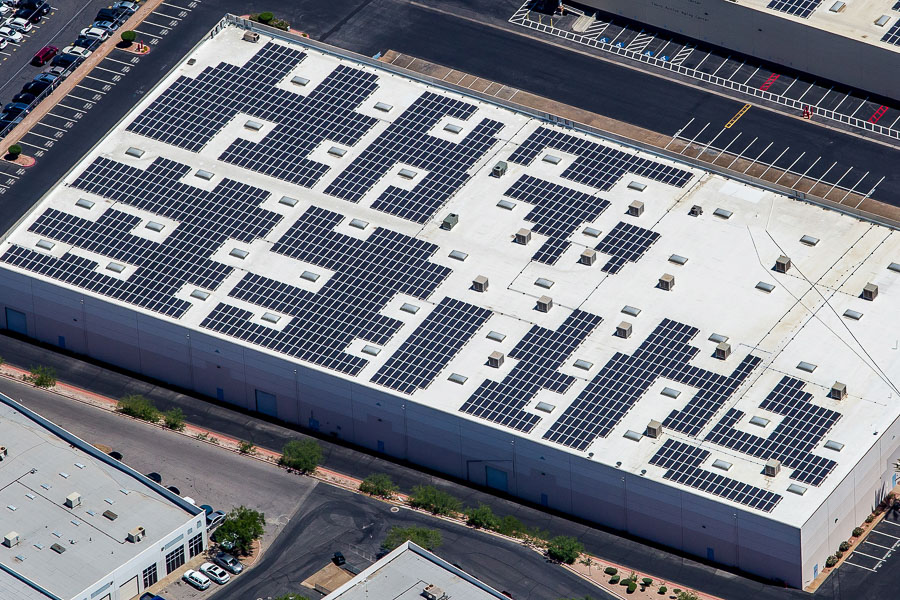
(815, 571)
(710, 554)
(62, 342)
(313, 424)
(220, 394)
(15, 321)
(894, 480)
(266, 403)
(380, 446)
(497, 479)
(544, 500)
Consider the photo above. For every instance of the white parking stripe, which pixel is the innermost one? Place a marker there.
(32, 145)
(176, 6)
(878, 545)
(100, 80)
(145, 21)
(77, 98)
(84, 87)
(847, 562)
(119, 61)
(885, 534)
(41, 136)
(150, 34)
(165, 16)
(61, 117)
(108, 70)
(49, 126)
(878, 558)
(69, 107)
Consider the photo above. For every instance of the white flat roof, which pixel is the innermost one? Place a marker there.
(325, 263)
(43, 465)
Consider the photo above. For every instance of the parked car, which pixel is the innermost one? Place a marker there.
(15, 108)
(3, 43)
(196, 579)
(35, 87)
(86, 42)
(228, 562)
(24, 98)
(44, 55)
(215, 518)
(11, 35)
(33, 16)
(108, 14)
(107, 26)
(7, 120)
(94, 33)
(58, 72)
(20, 24)
(5, 11)
(48, 77)
(126, 7)
(38, 5)
(339, 559)
(66, 61)
(215, 572)
(77, 51)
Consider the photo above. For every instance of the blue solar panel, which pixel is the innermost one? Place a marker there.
(625, 243)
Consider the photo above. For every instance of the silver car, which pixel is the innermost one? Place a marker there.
(228, 562)
(215, 572)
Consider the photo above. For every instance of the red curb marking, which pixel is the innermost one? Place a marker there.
(878, 114)
(768, 82)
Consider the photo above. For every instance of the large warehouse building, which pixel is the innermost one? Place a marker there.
(852, 42)
(321, 238)
(79, 525)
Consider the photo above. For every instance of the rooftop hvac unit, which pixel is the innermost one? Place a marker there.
(773, 466)
(450, 221)
(545, 303)
(135, 535)
(696, 210)
(251, 36)
(870, 291)
(523, 236)
(623, 330)
(499, 169)
(480, 283)
(73, 500)
(588, 257)
(723, 350)
(11, 539)
(782, 264)
(654, 429)
(636, 208)
(2, 452)
(433, 592)
(666, 282)
(495, 359)
(838, 391)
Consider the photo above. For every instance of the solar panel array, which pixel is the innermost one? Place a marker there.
(557, 212)
(625, 379)
(682, 463)
(406, 140)
(597, 166)
(625, 243)
(791, 442)
(798, 8)
(367, 274)
(892, 36)
(431, 346)
(539, 354)
(205, 220)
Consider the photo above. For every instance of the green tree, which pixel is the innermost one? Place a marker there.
(264, 17)
(246, 447)
(482, 517)
(378, 484)
(129, 36)
(14, 151)
(424, 537)
(434, 500)
(242, 526)
(41, 376)
(139, 407)
(174, 419)
(564, 549)
(687, 595)
(303, 455)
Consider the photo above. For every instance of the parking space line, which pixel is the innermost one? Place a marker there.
(77, 98)
(877, 545)
(853, 114)
(736, 71)
(49, 126)
(41, 136)
(722, 65)
(823, 97)
(697, 68)
(175, 6)
(108, 70)
(154, 24)
(885, 534)
(878, 558)
(69, 107)
(847, 562)
(52, 114)
(101, 80)
(119, 61)
(806, 92)
(22, 141)
(150, 34)
(751, 75)
(835, 109)
(84, 87)
(165, 16)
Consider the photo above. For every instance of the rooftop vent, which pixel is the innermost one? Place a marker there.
(383, 106)
(359, 224)
(552, 159)
(457, 378)
(480, 283)
(773, 466)
(496, 336)
(632, 435)
(58, 548)
(337, 151)
(309, 276)
(723, 213)
(678, 259)
(45, 244)
(200, 294)
(759, 421)
(271, 317)
(85, 203)
(837, 6)
(204, 174)
(588, 257)
(115, 267)
(882, 20)
(894, 267)
(838, 391)
(135, 535)
(782, 264)
(721, 464)
(11, 539)
(110, 515)
(433, 592)
(666, 282)
(523, 236)
(870, 291)
(765, 286)
(853, 314)
(239, 253)
(288, 201)
(670, 392)
(154, 226)
(809, 240)
(499, 169)
(543, 282)
(696, 210)
(452, 128)
(407, 173)
(592, 231)
(253, 125)
(73, 500)
(545, 407)
(297, 80)
(636, 208)
(723, 350)
(450, 221)
(544, 303)
(718, 338)
(371, 350)
(495, 359)
(833, 445)
(583, 364)
(506, 204)
(623, 330)
(806, 366)
(458, 255)
(251, 36)
(637, 186)
(135, 152)
(631, 310)
(192, 61)
(654, 429)
(798, 489)
(410, 308)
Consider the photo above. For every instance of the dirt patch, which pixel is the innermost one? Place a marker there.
(328, 579)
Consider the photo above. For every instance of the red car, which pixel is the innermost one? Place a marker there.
(44, 55)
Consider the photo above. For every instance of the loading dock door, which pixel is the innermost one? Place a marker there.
(266, 403)
(15, 321)
(129, 589)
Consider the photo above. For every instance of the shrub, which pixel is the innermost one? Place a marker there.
(129, 36)
(174, 419)
(565, 549)
(434, 500)
(838, 554)
(242, 526)
(686, 595)
(482, 517)
(631, 587)
(845, 545)
(265, 17)
(831, 561)
(41, 376)
(303, 455)
(511, 526)
(870, 518)
(662, 590)
(427, 538)
(14, 151)
(139, 407)
(246, 447)
(858, 531)
(614, 579)
(646, 582)
(378, 484)
(610, 570)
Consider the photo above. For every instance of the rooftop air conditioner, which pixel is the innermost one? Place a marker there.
(73, 500)
(135, 535)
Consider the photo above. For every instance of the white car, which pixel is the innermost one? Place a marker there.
(215, 572)
(77, 51)
(10, 35)
(5, 10)
(95, 33)
(20, 24)
(196, 579)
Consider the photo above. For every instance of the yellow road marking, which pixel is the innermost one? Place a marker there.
(739, 114)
